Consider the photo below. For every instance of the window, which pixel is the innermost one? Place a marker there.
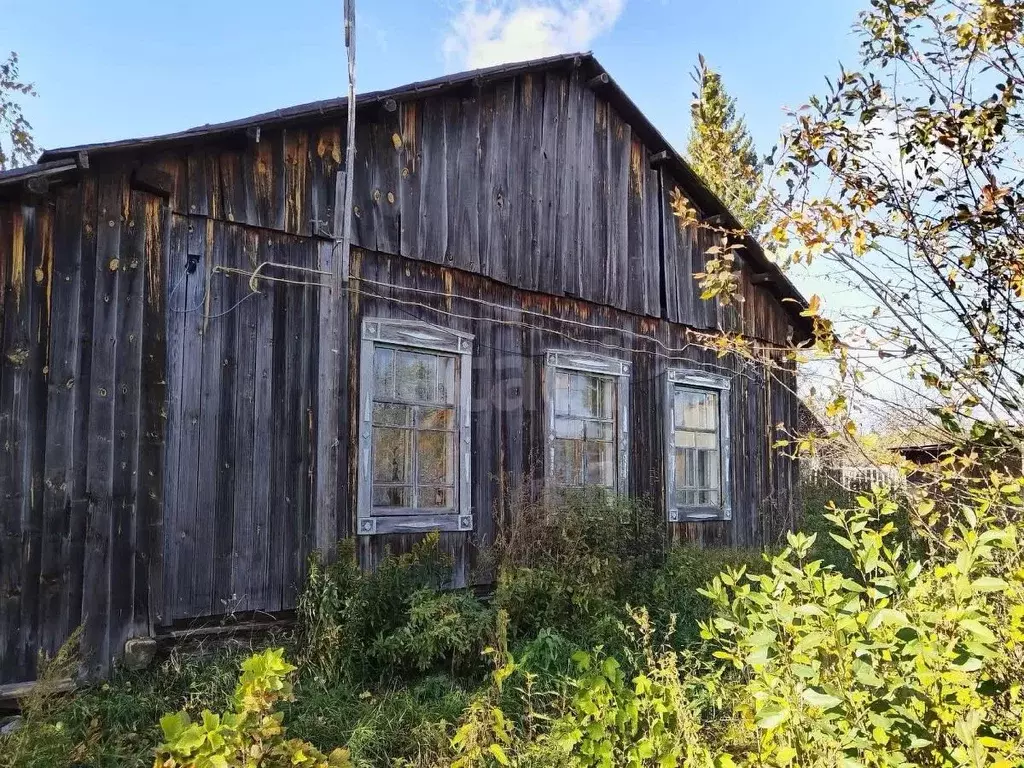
(587, 421)
(414, 429)
(697, 446)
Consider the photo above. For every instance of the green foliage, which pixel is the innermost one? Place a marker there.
(18, 147)
(571, 563)
(356, 626)
(721, 150)
(906, 663)
(43, 739)
(251, 733)
(647, 718)
(440, 626)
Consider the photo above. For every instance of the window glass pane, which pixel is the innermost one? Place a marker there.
(695, 409)
(567, 466)
(392, 455)
(600, 464)
(680, 469)
(603, 398)
(435, 497)
(392, 496)
(390, 415)
(585, 430)
(562, 392)
(435, 457)
(416, 376)
(568, 427)
(600, 430)
(435, 418)
(384, 372)
(446, 380)
(712, 469)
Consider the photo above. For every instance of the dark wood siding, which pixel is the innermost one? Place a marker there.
(158, 420)
(508, 406)
(80, 379)
(533, 181)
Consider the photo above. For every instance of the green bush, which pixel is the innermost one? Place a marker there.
(677, 586)
(358, 626)
(251, 733)
(571, 561)
(439, 627)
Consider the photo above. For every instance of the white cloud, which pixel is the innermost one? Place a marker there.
(486, 32)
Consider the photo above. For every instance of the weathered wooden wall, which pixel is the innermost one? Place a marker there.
(508, 407)
(81, 426)
(534, 181)
(158, 422)
(241, 401)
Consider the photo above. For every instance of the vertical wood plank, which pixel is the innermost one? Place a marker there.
(409, 113)
(298, 212)
(210, 461)
(130, 275)
(433, 163)
(75, 546)
(153, 418)
(325, 157)
(569, 153)
(464, 184)
(112, 201)
(184, 539)
(617, 192)
(58, 473)
(264, 437)
(176, 301)
(495, 217)
(221, 350)
(243, 536)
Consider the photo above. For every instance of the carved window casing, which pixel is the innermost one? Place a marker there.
(698, 456)
(414, 428)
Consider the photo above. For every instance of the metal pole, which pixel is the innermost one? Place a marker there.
(332, 353)
(350, 141)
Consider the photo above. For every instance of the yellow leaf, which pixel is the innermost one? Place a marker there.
(860, 243)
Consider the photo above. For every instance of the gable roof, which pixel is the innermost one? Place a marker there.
(775, 281)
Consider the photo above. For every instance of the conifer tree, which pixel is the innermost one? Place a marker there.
(721, 150)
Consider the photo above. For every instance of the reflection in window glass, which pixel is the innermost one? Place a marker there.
(584, 430)
(414, 430)
(696, 445)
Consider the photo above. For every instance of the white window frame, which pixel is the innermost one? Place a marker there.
(607, 366)
(414, 335)
(698, 380)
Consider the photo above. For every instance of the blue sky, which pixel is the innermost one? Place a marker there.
(111, 69)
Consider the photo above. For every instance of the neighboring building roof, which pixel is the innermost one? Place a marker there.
(706, 200)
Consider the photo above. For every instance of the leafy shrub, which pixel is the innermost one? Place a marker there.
(676, 594)
(906, 663)
(355, 625)
(439, 626)
(251, 733)
(570, 561)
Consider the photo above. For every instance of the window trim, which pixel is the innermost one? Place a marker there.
(589, 363)
(696, 379)
(414, 335)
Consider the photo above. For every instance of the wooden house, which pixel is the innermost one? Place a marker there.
(198, 389)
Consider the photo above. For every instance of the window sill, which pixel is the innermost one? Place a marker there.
(424, 523)
(699, 515)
